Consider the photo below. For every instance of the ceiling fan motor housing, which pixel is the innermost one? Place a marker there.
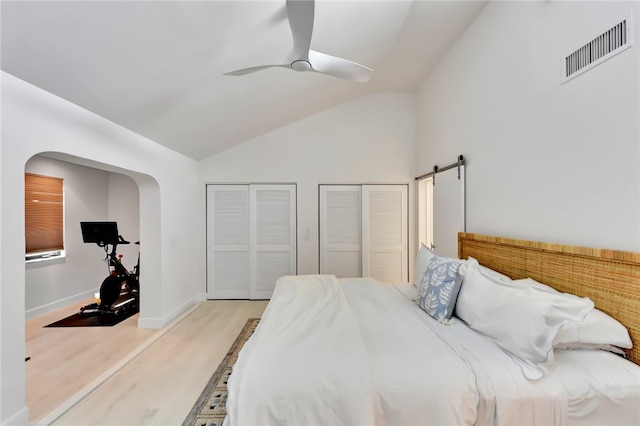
(301, 65)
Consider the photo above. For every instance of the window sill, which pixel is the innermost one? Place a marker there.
(44, 256)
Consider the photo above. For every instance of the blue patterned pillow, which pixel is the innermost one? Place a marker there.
(439, 287)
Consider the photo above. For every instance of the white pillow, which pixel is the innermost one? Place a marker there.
(422, 260)
(487, 271)
(597, 331)
(523, 321)
(530, 282)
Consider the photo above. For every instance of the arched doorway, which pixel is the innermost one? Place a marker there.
(121, 186)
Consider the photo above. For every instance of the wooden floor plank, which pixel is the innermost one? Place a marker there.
(157, 387)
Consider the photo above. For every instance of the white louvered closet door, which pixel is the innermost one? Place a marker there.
(273, 236)
(228, 241)
(341, 230)
(384, 232)
(364, 231)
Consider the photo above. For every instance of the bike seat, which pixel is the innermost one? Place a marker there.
(122, 240)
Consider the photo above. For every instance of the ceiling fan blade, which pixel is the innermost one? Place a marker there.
(339, 67)
(302, 58)
(249, 70)
(300, 13)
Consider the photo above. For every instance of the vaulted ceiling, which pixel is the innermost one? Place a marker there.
(156, 67)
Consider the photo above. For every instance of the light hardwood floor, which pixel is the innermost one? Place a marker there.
(141, 377)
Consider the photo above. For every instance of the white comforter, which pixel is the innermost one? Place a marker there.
(357, 352)
(314, 360)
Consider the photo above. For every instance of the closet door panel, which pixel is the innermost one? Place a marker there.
(386, 266)
(347, 264)
(273, 236)
(228, 241)
(341, 230)
(271, 266)
(231, 274)
(385, 241)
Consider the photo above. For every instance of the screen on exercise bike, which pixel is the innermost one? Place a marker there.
(101, 233)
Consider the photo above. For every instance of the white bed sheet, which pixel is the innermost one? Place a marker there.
(417, 377)
(397, 366)
(590, 388)
(506, 396)
(602, 388)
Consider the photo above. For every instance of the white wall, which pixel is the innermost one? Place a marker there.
(546, 161)
(368, 140)
(124, 208)
(171, 215)
(90, 195)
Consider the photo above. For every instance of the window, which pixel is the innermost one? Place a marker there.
(425, 211)
(44, 217)
(441, 209)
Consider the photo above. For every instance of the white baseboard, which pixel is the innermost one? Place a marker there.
(158, 323)
(21, 418)
(49, 307)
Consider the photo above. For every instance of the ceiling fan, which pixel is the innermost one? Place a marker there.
(302, 57)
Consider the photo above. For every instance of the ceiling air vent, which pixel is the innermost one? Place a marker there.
(605, 46)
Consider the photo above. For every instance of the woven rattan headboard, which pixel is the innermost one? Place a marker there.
(610, 278)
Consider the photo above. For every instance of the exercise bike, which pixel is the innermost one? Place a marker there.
(120, 290)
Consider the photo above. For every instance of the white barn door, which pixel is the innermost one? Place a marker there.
(273, 237)
(251, 239)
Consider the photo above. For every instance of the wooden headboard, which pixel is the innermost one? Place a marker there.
(610, 278)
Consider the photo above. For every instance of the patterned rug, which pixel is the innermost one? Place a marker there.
(210, 409)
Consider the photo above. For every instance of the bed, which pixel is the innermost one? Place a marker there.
(334, 351)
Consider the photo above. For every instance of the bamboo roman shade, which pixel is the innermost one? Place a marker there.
(43, 204)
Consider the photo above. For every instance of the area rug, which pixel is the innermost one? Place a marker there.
(210, 409)
(76, 320)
